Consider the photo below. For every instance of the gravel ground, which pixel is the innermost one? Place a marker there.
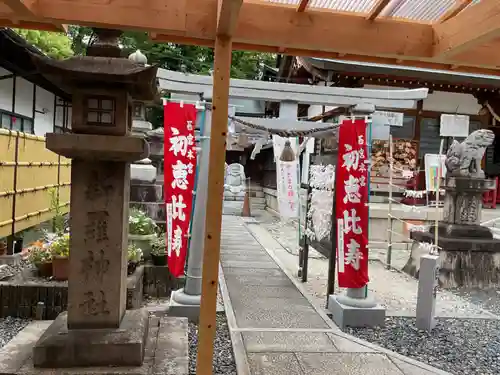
(459, 346)
(487, 298)
(9, 327)
(223, 350)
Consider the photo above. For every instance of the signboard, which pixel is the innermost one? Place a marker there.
(287, 178)
(288, 194)
(388, 118)
(180, 167)
(454, 126)
(351, 184)
(432, 170)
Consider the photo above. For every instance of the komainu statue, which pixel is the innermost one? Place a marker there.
(464, 159)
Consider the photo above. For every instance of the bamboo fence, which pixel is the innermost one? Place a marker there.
(28, 172)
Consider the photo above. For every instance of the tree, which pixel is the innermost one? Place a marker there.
(189, 59)
(53, 44)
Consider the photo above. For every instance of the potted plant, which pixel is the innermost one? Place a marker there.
(134, 256)
(41, 257)
(142, 231)
(60, 257)
(158, 251)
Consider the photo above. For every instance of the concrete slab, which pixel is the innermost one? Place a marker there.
(257, 280)
(250, 302)
(260, 342)
(166, 352)
(345, 345)
(243, 264)
(260, 273)
(300, 317)
(410, 369)
(346, 364)
(248, 257)
(266, 291)
(274, 364)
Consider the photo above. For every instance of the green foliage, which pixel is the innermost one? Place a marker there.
(58, 221)
(140, 224)
(60, 246)
(134, 254)
(53, 44)
(159, 245)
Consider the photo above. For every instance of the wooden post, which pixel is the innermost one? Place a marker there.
(215, 191)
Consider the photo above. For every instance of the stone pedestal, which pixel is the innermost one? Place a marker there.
(468, 253)
(354, 309)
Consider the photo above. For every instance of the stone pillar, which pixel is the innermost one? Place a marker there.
(427, 289)
(99, 213)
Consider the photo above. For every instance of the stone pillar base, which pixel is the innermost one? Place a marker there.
(166, 352)
(186, 305)
(124, 346)
(368, 314)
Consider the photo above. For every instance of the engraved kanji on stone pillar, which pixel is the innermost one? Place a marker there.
(99, 204)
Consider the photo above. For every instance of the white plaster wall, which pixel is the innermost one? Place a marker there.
(6, 86)
(44, 121)
(24, 97)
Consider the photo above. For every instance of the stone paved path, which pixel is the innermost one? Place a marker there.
(277, 328)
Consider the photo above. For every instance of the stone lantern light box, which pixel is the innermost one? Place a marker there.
(101, 112)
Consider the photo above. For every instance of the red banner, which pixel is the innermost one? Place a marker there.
(180, 168)
(351, 189)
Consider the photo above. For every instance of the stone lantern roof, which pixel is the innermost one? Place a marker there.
(109, 72)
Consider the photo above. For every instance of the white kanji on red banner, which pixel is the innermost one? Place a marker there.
(180, 166)
(352, 205)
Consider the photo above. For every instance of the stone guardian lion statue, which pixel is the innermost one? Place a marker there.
(464, 159)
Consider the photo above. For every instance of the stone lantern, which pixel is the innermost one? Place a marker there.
(97, 330)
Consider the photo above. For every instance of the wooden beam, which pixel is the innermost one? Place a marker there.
(302, 5)
(23, 8)
(377, 9)
(478, 25)
(227, 16)
(454, 10)
(154, 16)
(30, 25)
(268, 26)
(463, 68)
(215, 190)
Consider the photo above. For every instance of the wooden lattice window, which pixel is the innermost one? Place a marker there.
(100, 111)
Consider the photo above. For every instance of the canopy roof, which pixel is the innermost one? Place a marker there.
(460, 35)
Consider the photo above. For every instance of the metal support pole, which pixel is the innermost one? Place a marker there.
(389, 216)
(185, 302)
